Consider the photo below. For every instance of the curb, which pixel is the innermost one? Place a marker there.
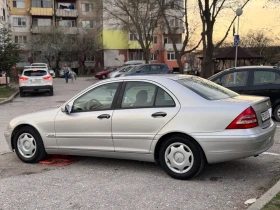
(11, 98)
(260, 203)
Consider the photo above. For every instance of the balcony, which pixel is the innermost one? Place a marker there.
(41, 8)
(68, 30)
(41, 29)
(66, 12)
(169, 47)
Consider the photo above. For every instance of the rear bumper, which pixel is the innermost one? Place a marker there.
(32, 88)
(220, 148)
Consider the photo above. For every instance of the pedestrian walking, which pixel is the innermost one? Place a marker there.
(66, 74)
(72, 76)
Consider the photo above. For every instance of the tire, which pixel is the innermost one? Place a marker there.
(21, 93)
(276, 113)
(103, 76)
(32, 141)
(51, 92)
(185, 147)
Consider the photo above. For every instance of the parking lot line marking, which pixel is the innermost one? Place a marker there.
(271, 153)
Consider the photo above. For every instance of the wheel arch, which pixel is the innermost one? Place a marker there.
(166, 136)
(17, 128)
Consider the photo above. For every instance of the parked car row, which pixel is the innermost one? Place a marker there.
(134, 70)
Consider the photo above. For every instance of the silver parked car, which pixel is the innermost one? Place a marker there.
(120, 71)
(182, 122)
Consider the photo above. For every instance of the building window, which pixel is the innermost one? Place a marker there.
(174, 22)
(87, 7)
(132, 37)
(88, 23)
(42, 22)
(42, 3)
(67, 23)
(19, 3)
(17, 21)
(154, 57)
(135, 55)
(155, 39)
(171, 56)
(20, 39)
(90, 58)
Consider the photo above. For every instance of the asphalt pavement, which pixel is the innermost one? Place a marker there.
(98, 183)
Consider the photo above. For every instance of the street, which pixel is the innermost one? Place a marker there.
(97, 183)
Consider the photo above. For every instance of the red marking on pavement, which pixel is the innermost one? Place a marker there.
(60, 160)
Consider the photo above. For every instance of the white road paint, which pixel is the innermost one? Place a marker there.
(271, 153)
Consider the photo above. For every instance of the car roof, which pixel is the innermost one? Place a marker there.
(154, 77)
(252, 67)
(32, 69)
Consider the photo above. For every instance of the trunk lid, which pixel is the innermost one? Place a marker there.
(261, 105)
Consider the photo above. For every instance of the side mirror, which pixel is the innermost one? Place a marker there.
(66, 109)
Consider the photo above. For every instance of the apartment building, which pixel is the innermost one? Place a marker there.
(120, 46)
(32, 17)
(78, 17)
(4, 13)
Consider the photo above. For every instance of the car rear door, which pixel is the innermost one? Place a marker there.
(266, 83)
(143, 108)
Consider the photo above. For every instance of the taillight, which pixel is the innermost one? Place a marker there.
(21, 78)
(247, 119)
(49, 78)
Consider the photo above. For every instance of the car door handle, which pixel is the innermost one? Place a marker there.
(159, 114)
(106, 116)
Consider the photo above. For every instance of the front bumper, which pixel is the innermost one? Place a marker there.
(98, 76)
(8, 137)
(225, 148)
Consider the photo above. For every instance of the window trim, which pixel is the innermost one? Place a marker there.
(171, 52)
(113, 105)
(16, 18)
(122, 91)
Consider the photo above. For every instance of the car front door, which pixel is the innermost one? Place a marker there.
(142, 110)
(88, 125)
(236, 81)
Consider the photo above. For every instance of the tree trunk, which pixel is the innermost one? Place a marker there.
(180, 64)
(6, 78)
(146, 55)
(207, 63)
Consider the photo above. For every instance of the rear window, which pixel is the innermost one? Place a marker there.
(206, 88)
(37, 73)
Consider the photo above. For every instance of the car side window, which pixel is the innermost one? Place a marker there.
(99, 98)
(156, 68)
(163, 99)
(144, 69)
(138, 94)
(235, 79)
(266, 77)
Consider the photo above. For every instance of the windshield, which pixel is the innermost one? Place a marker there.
(34, 73)
(207, 89)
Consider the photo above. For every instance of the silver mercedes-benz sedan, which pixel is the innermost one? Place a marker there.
(181, 122)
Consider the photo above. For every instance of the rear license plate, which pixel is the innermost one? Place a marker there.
(265, 115)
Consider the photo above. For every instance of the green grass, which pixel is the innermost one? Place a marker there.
(274, 204)
(6, 92)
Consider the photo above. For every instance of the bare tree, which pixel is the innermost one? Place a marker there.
(262, 44)
(84, 47)
(175, 15)
(209, 12)
(139, 17)
(51, 45)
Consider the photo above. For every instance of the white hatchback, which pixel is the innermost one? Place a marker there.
(35, 80)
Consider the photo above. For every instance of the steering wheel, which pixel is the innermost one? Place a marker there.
(92, 104)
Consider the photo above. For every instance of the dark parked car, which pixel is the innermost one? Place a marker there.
(150, 69)
(253, 80)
